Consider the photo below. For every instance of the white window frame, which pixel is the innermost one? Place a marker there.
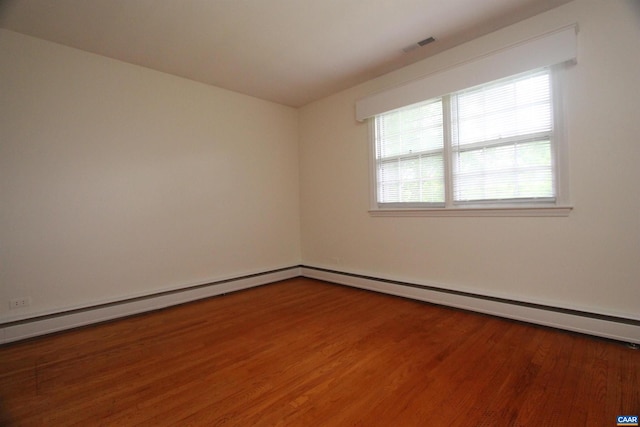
(559, 207)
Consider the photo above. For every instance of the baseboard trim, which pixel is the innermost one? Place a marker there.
(603, 325)
(607, 326)
(68, 319)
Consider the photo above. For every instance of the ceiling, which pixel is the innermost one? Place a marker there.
(288, 51)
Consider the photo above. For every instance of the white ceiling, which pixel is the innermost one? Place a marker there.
(287, 51)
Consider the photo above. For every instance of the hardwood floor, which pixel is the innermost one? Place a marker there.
(307, 353)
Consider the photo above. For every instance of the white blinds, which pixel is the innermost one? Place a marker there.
(501, 137)
(548, 49)
(488, 144)
(409, 154)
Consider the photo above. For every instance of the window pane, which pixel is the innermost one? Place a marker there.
(410, 130)
(501, 140)
(417, 179)
(432, 179)
(504, 109)
(409, 146)
(513, 171)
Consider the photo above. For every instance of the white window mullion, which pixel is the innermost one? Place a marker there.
(506, 141)
(559, 151)
(447, 151)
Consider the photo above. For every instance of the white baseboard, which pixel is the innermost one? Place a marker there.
(613, 327)
(28, 328)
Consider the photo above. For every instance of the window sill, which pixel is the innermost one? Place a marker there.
(525, 211)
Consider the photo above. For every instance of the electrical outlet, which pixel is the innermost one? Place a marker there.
(19, 303)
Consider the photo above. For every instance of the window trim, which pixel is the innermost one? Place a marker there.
(480, 211)
(560, 207)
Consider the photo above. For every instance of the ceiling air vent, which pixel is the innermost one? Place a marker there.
(419, 44)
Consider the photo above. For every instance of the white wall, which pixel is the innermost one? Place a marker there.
(589, 260)
(117, 181)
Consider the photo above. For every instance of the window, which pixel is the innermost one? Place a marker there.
(410, 155)
(493, 146)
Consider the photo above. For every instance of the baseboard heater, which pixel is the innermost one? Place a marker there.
(81, 316)
(621, 328)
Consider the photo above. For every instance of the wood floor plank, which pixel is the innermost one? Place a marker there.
(303, 352)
